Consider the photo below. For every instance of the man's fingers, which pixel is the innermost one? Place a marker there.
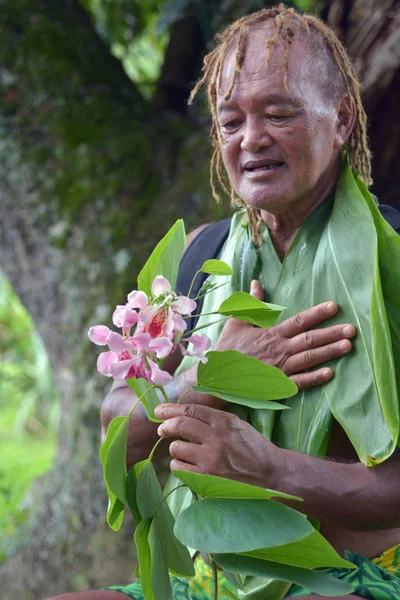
(307, 319)
(195, 411)
(321, 337)
(256, 289)
(185, 451)
(179, 465)
(309, 380)
(187, 428)
(312, 358)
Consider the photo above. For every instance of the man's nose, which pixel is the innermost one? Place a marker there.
(255, 135)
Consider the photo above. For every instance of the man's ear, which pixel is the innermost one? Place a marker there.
(346, 114)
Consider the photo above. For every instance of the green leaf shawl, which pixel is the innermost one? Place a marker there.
(345, 252)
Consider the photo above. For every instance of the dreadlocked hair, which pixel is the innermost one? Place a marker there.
(330, 55)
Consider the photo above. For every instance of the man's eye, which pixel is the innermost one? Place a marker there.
(276, 118)
(234, 124)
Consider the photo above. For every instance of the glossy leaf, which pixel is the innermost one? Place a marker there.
(211, 486)
(316, 581)
(225, 525)
(115, 461)
(113, 456)
(115, 511)
(216, 267)
(348, 254)
(310, 552)
(160, 582)
(144, 557)
(150, 398)
(131, 490)
(164, 259)
(247, 308)
(262, 404)
(151, 502)
(234, 373)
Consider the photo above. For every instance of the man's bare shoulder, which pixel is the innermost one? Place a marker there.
(193, 234)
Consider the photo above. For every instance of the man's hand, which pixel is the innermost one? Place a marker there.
(292, 346)
(217, 443)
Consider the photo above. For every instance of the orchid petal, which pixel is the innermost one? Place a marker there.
(179, 323)
(104, 361)
(137, 299)
(160, 286)
(159, 377)
(119, 370)
(141, 341)
(161, 346)
(200, 343)
(98, 334)
(125, 316)
(183, 305)
(117, 343)
(147, 314)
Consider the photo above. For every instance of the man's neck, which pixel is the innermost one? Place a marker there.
(284, 226)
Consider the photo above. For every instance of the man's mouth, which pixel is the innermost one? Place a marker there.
(261, 166)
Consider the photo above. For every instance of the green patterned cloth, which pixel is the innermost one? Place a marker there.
(369, 580)
(375, 579)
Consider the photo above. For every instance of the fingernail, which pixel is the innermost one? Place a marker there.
(158, 411)
(252, 287)
(330, 308)
(326, 373)
(348, 330)
(345, 346)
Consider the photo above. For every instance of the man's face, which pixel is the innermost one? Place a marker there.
(280, 149)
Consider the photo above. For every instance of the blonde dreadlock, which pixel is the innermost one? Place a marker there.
(344, 75)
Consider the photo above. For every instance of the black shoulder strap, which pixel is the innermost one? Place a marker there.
(208, 244)
(391, 215)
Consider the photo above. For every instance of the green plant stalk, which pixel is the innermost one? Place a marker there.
(215, 577)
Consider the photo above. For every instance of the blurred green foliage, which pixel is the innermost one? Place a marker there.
(28, 416)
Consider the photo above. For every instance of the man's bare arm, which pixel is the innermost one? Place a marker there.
(351, 496)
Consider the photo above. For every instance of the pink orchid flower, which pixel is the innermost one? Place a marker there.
(157, 326)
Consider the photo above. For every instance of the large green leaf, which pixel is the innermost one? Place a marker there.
(310, 552)
(341, 246)
(262, 404)
(113, 459)
(114, 464)
(160, 582)
(234, 373)
(247, 308)
(151, 503)
(226, 525)
(316, 581)
(131, 490)
(115, 511)
(144, 557)
(149, 397)
(165, 258)
(216, 267)
(211, 486)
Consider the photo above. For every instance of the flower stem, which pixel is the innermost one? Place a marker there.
(154, 448)
(184, 394)
(139, 399)
(191, 285)
(160, 387)
(202, 327)
(215, 577)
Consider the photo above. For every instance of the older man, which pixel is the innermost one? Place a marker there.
(285, 102)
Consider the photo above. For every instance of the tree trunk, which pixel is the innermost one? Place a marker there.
(370, 30)
(85, 175)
